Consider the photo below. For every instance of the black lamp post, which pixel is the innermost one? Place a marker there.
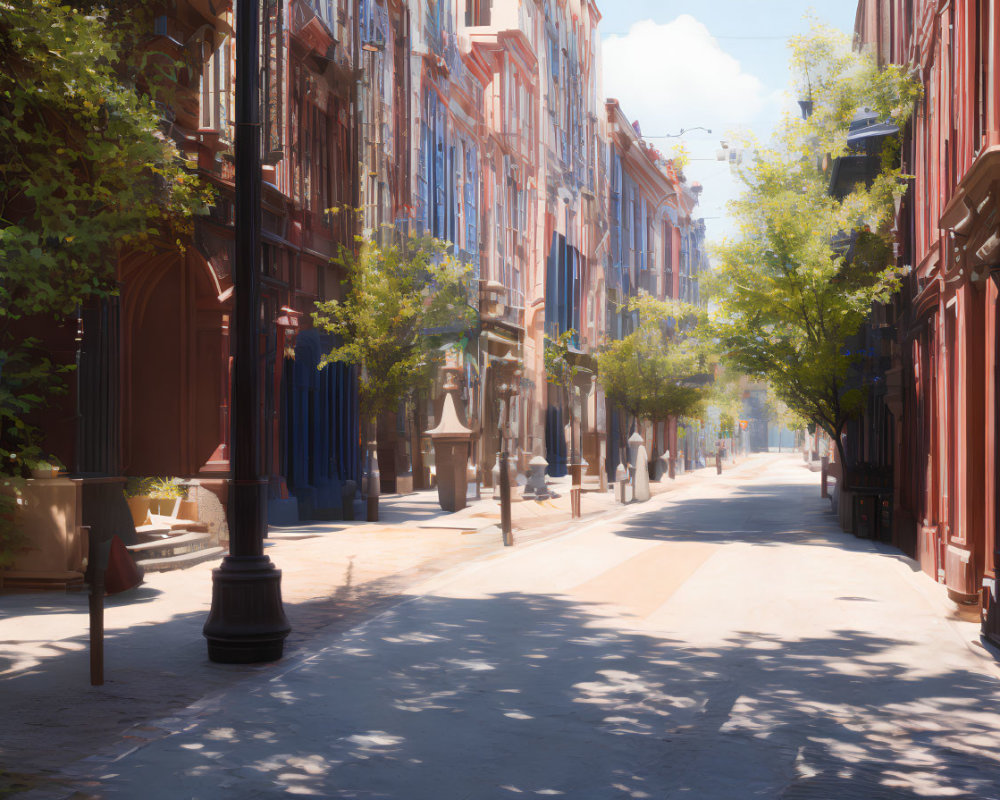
(247, 623)
(509, 374)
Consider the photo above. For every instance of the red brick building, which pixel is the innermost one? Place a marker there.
(151, 396)
(941, 390)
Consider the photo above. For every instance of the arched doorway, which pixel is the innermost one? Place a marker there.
(175, 355)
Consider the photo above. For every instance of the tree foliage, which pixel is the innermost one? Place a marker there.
(85, 171)
(780, 415)
(727, 395)
(85, 167)
(562, 368)
(401, 303)
(786, 301)
(661, 369)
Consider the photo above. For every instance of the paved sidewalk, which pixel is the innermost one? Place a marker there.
(725, 641)
(334, 574)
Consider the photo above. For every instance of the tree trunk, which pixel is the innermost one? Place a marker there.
(416, 455)
(841, 457)
(622, 438)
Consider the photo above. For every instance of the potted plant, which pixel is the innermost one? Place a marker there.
(137, 496)
(164, 493)
(45, 468)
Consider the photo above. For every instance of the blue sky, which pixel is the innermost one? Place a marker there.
(721, 64)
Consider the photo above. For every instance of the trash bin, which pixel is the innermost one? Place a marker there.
(885, 517)
(864, 514)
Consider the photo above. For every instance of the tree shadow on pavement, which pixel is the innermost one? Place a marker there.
(777, 515)
(52, 716)
(39, 604)
(534, 695)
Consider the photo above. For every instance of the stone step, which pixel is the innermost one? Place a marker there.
(175, 545)
(176, 524)
(151, 533)
(181, 561)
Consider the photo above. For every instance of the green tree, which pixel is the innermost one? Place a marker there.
(402, 302)
(786, 301)
(780, 415)
(661, 369)
(727, 395)
(85, 171)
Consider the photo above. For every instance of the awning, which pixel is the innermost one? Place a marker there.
(501, 337)
(875, 131)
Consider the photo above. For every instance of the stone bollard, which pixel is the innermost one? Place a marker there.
(640, 492)
(635, 441)
(511, 476)
(535, 485)
(374, 483)
(621, 483)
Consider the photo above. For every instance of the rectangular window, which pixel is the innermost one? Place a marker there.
(471, 204)
(642, 241)
(423, 176)
(216, 91)
(477, 12)
(668, 259)
(980, 76)
(274, 67)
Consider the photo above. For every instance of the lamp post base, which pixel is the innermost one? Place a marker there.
(247, 623)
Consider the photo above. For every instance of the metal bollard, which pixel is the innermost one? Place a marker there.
(505, 522)
(718, 461)
(824, 465)
(574, 498)
(96, 603)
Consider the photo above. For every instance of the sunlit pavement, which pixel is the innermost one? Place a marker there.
(725, 641)
(335, 575)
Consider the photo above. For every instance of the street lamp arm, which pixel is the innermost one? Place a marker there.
(677, 135)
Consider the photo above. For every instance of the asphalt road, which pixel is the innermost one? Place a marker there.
(723, 641)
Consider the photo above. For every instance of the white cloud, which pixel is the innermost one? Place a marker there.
(675, 76)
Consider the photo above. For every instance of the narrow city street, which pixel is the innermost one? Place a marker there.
(725, 640)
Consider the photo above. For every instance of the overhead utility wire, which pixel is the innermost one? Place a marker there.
(744, 38)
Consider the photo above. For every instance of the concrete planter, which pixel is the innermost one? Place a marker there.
(138, 506)
(451, 455)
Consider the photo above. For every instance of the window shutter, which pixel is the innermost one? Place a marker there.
(471, 192)
(642, 234)
(439, 179)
